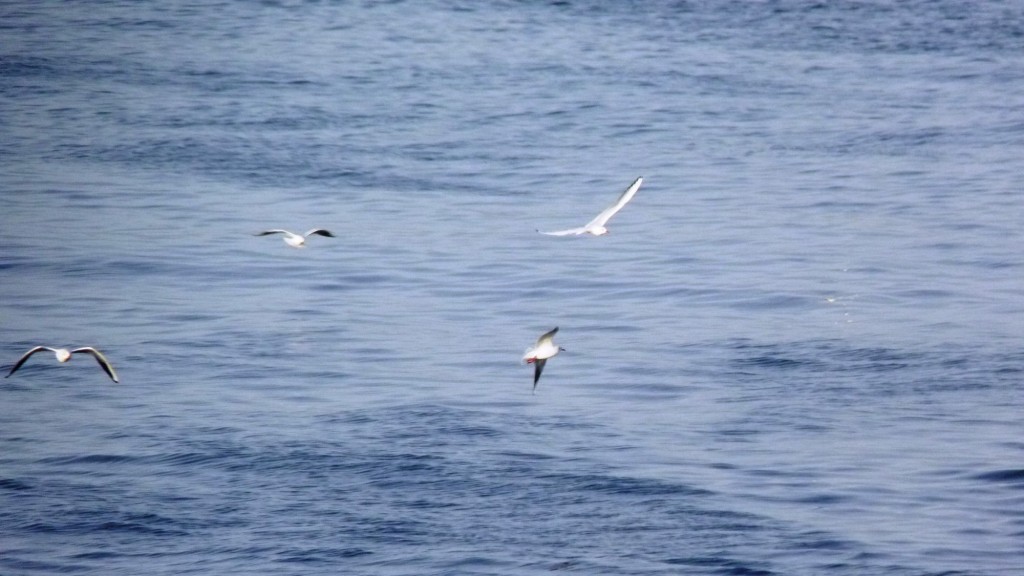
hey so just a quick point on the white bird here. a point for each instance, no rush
(63, 355)
(539, 353)
(596, 226)
(297, 240)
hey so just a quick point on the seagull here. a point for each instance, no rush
(63, 355)
(596, 226)
(296, 240)
(539, 353)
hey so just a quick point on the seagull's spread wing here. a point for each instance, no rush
(547, 336)
(265, 232)
(101, 359)
(320, 232)
(25, 357)
(571, 232)
(539, 367)
(610, 211)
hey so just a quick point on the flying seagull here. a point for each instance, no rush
(296, 240)
(596, 226)
(63, 355)
(539, 353)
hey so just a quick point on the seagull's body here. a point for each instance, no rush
(597, 225)
(539, 353)
(63, 355)
(297, 240)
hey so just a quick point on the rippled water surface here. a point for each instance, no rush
(799, 350)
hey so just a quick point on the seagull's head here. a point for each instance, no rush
(62, 355)
(598, 230)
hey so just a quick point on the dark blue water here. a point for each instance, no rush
(799, 351)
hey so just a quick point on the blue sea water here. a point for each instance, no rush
(798, 352)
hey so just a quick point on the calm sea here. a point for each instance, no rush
(800, 351)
